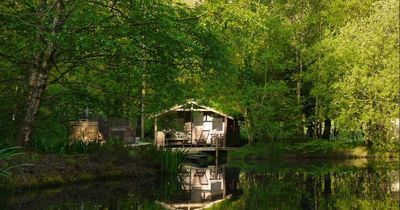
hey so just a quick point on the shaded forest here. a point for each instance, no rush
(289, 70)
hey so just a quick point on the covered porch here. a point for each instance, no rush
(193, 125)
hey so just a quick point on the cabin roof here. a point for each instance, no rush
(182, 107)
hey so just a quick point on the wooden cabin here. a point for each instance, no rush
(194, 125)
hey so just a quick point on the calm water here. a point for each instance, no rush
(262, 185)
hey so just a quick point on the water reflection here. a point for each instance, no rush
(204, 186)
(319, 186)
(195, 188)
(112, 194)
(262, 185)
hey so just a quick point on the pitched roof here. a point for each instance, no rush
(181, 107)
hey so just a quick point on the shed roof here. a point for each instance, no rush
(181, 107)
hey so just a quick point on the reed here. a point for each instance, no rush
(171, 161)
(7, 153)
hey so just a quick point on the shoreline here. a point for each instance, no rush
(51, 170)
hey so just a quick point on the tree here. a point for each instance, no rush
(258, 48)
(361, 63)
(324, 22)
(72, 54)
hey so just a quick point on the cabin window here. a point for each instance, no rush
(208, 118)
(188, 126)
(198, 119)
(217, 124)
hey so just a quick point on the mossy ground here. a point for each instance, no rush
(307, 150)
(58, 169)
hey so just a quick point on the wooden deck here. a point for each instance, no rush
(192, 150)
(192, 205)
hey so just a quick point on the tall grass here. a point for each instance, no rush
(79, 147)
(171, 161)
(7, 153)
(49, 145)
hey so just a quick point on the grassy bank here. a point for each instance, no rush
(58, 169)
(310, 149)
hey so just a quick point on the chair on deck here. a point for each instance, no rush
(201, 174)
(202, 140)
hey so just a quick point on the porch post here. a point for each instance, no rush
(191, 127)
(225, 130)
(223, 183)
(155, 131)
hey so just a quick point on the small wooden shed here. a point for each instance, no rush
(101, 130)
(192, 124)
(118, 129)
(86, 131)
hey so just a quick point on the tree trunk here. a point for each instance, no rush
(310, 129)
(44, 61)
(249, 127)
(327, 129)
(327, 184)
(299, 60)
(298, 83)
(33, 102)
(369, 135)
(142, 99)
(318, 129)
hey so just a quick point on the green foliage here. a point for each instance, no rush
(317, 148)
(111, 146)
(271, 112)
(366, 96)
(6, 153)
(259, 150)
(260, 61)
(317, 187)
(168, 161)
(171, 161)
(159, 45)
(279, 64)
(354, 71)
(51, 135)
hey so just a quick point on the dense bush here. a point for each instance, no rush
(79, 147)
(311, 148)
(170, 161)
(272, 113)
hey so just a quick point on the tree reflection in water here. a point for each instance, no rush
(317, 187)
(250, 186)
(197, 186)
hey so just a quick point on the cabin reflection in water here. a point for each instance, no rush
(204, 187)
(203, 183)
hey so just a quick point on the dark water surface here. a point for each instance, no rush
(317, 184)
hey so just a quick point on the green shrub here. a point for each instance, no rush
(259, 150)
(80, 147)
(114, 146)
(48, 145)
(170, 161)
(50, 135)
(315, 146)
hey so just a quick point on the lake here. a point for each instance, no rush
(315, 184)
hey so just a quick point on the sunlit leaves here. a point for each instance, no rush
(364, 58)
